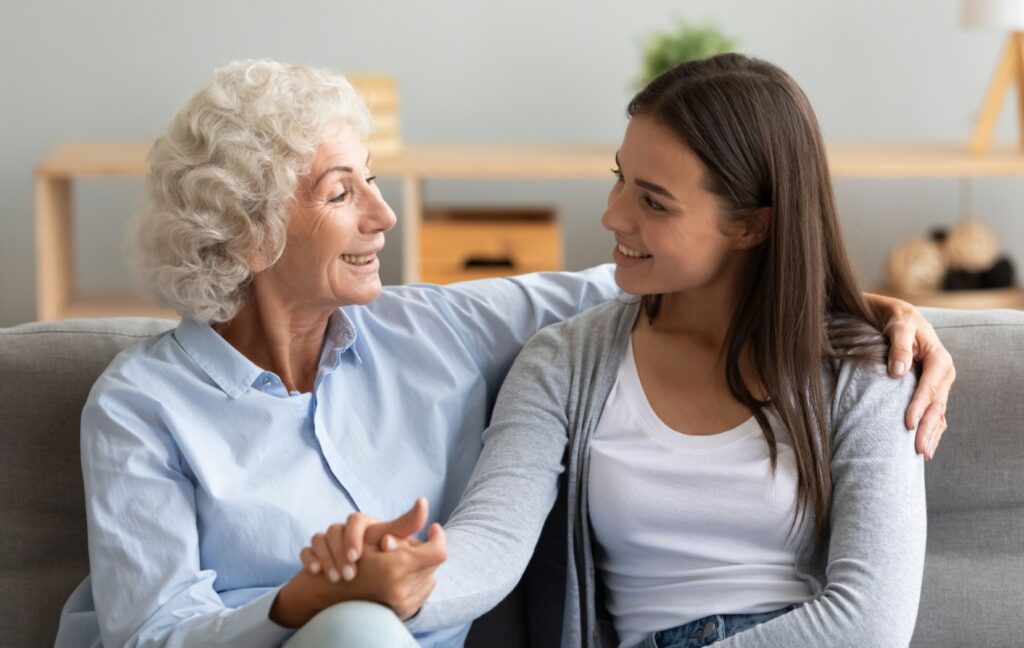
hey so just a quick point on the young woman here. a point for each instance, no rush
(729, 447)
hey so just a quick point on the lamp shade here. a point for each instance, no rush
(993, 14)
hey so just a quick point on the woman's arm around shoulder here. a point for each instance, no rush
(494, 318)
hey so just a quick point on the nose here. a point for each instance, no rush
(379, 216)
(616, 215)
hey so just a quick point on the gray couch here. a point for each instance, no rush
(974, 579)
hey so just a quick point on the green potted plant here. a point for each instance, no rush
(685, 42)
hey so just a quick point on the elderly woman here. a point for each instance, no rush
(295, 391)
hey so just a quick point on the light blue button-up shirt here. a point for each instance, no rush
(204, 477)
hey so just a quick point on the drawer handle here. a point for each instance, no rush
(488, 262)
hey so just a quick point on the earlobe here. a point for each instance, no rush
(757, 226)
(261, 259)
(257, 263)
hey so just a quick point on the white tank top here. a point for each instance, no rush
(688, 526)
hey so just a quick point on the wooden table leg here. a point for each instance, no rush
(54, 247)
(412, 216)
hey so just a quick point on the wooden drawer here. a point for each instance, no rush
(458, 246)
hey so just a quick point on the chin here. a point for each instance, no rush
(365, 296)
(631, 285)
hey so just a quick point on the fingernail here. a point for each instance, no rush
(932, 444)
(389, 544)
(898, 368)
(352, 555)
(314, 567)
(348, 572)
(333, 575)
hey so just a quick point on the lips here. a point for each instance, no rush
(362, 257)
(631, 252)
(358, 259)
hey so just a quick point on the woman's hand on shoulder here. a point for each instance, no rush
(911, 338)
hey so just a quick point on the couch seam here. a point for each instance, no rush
(79, 332)
(978, 325)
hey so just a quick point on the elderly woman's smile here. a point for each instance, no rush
(359, 260)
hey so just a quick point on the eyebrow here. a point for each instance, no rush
(346, 169)
(649, 186)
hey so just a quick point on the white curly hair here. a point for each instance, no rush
(222, 178)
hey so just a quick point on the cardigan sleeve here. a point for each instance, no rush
(492, 532)
(877, 525)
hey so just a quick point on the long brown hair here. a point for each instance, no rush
(800, 305)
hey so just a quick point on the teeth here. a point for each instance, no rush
(358, 260)
(631, 252)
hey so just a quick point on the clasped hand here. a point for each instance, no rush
(380, 561)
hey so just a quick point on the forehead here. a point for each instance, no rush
(655, 153)
(341, 146)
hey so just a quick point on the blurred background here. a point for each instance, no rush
(549, 72)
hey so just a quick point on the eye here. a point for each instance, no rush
(340, 197)
(371, 179)
(618, 174)
(653, 204)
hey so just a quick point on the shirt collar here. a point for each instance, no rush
(232, 371)
(340, 337)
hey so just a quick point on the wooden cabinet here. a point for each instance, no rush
(463, 244)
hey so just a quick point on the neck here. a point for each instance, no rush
(280, 337)
(703, 314)
(696, 323)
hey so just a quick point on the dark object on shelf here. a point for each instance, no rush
(488, 262)
(938, 234)
(1001, 275)
(961, 280)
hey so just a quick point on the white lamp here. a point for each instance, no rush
(1002, 15)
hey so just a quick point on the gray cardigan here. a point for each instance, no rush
(866, 582)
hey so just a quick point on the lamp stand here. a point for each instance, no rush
(1009, 71)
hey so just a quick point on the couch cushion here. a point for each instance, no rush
(46, 371)
(972, 587)
(973, 584)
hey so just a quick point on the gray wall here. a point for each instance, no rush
(488, 72)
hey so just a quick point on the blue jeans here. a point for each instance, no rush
(354, 624)
(708, 630)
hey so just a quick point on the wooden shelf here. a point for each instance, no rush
(416, 163)
(846, 159)
(970, 299)
(93, 158)
(88, 306)
(921, 160)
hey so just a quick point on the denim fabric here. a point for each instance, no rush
(708, 630)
